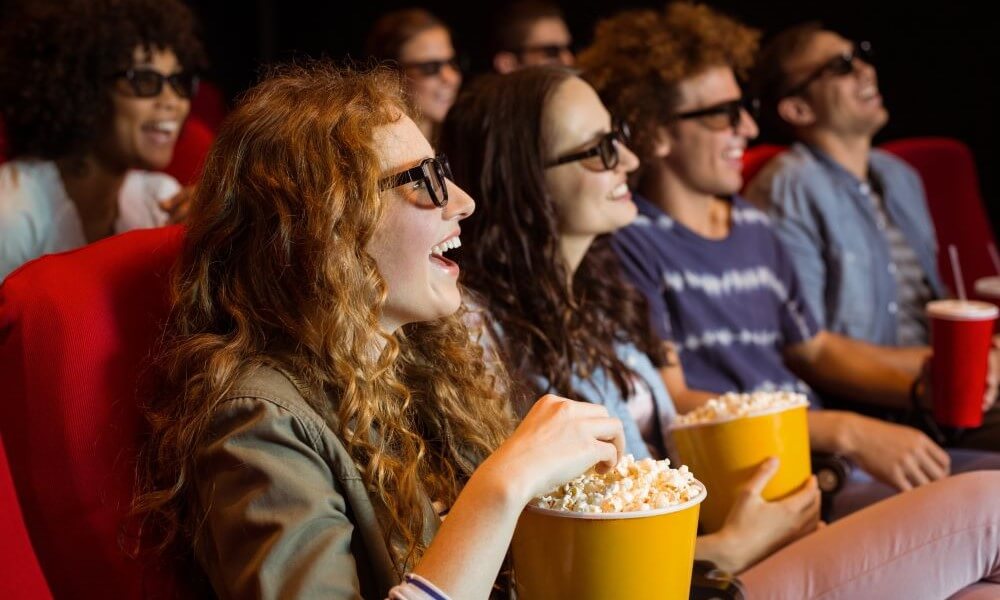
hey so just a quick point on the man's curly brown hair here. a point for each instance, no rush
(58, 59)
(638, 59)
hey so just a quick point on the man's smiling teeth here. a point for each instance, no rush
(451, 244)
(620, 190)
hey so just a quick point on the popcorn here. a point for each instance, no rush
(731, 406)
(632, 485)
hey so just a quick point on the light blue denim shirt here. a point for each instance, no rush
(825, 218)
(598, 388)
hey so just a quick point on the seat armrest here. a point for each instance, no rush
(832, 471)
(708, 582)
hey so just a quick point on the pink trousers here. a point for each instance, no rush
(934, 542)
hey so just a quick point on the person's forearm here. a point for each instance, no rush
(466, 554)
(909, 359)
(714, 548)
(685, 399)
(859, 371)
(830, 431)
(688, 400)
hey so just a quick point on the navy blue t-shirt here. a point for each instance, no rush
(729, 305)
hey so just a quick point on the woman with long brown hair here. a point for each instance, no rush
(322, 404)
(550, 168)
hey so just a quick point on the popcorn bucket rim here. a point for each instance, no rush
(761, 413)
(635, 514)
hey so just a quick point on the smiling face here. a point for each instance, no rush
(848, 104)
(703, 158)
(414, 233)
(433, 93)
(589, 199)
(143, 131)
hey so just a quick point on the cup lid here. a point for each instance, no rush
(988, 286)
(962, 310)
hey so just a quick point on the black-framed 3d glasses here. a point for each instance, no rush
(432, 68)
(606, 149)
(148, 83)
(725, 115)
(838, 66)
(432, 172)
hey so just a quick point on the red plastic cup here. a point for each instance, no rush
(961, 337)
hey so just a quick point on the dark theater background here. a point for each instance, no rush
(937, 61)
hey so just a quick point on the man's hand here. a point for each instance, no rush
(900, 456)
(992, 375)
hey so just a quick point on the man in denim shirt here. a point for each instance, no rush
(853, 218)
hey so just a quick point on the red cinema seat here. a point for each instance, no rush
(948, 171)
(76, 332)
(756, 157)
(208, 105)
(20, 578)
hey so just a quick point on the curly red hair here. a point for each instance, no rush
(275, 271)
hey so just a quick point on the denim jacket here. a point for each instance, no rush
(825, 217)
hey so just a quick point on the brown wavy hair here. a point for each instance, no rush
(494, 138)
(274, 271)
(639, 58)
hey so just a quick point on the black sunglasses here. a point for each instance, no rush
(725, 115)
(431, 68)
(147, 83)
(605, 149)
(838, 66)
(431, 172)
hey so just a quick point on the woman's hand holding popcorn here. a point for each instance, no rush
(755, 528)
(558, 440)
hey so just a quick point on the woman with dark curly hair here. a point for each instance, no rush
(419, 44)
(93, 93)
(550, 166)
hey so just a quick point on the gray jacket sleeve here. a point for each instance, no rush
(275, 520)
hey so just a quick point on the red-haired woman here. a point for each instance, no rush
(322, 403)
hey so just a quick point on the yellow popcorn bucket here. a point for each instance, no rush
(726, 453)
(586, 556)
